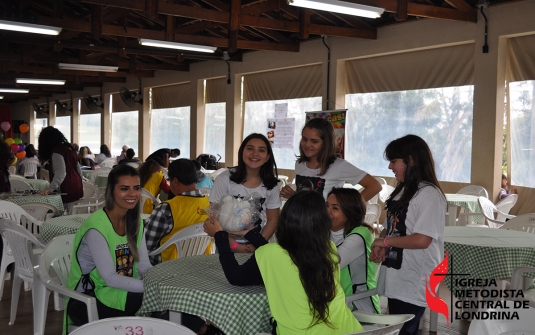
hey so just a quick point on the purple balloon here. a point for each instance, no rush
(22, 147)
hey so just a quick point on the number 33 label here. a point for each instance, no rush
(137, 330)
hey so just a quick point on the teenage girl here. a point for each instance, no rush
(353, 238)
(319, 169)
(300, 271)
(256, 172)
(412, 243)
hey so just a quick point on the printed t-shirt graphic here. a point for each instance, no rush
(310, 183)
(124, 260)
(395, 226)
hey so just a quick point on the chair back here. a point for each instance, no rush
(86, 207)
(45, 174)
(189, 241)
(384, 194)
(381, 324)
(475, 190)
(9, 210)
(524, 222)
(39, 210)
(488, 209)
(523, 324)
(505, 206)
(108, 163)
(16, 176)
(147, 195)
(21, 242)
(140, 325)
(90, 191)
(20, 185)
(381, 181)
(373, 211)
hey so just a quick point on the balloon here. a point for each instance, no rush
(14, 161)
(17, 140)
(24, 128)
(5, 126)
(9, 141)
(21, 154)
(1, 136)
(22, 147)
(14, 147)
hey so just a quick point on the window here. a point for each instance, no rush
(214, 131)
(522, 116)
(255, 121)
(63, 123)
(441, 116)
(38, 125)
(170, 128)
(90, 132)
(124, 130)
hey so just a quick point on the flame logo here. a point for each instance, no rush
(434, 301)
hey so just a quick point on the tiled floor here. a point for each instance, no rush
(24, 322)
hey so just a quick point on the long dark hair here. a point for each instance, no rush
(327, 155)
(353, 207)
(30, 151)
(417, 156)
(268, 172)
(49, 138)
(147, 169)
(303, 231)
(132, 215)
(105, 150)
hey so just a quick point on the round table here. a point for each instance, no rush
(464, 201)
(197, 285)
(37, 184)
(47, 199)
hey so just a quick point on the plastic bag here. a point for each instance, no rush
(237, 214)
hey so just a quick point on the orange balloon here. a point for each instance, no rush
(21, 154)
(24, 128)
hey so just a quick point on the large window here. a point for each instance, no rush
(255, 121)
(214, 131)
(170, 128)
(124, 130)
(522, 111)
(441, 116)
(38, 125)
(63, 123)
(90, 132)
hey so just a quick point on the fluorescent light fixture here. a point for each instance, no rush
(14, 90)
(87, 67)
(174, 45)
(1, 97)
(40, 81)
(29, 28)
(340, 7)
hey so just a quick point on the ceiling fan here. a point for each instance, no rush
(129, 97)
(61, 107)
(94, 103)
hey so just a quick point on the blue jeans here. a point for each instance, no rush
(400, 307)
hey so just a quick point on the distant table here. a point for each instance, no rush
(198, 286)
(37, 184)
(64, 225)
(465, 201)
(47, 199)
(101, 181)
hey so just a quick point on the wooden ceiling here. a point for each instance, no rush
(104, 32)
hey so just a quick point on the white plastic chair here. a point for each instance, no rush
(16, 176)
(524, 222)
(189, 241)
(519, 282)
(381, 181)
(384, 194)
(24, 247)
(108, 163)
(489, 209)
(381, 324)
(476, 190)
(87, 207)
(113, 326)
(522, 326)
(373, 211)
(505, 205)
(20, 185)
(45, 174)
(39, 210)
(147, 195)
(56, 256)
(90, 191)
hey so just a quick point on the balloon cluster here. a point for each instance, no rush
(15, 144)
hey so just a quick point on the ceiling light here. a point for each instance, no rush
(340, 7)
(1, 97)
(40, 81)
(29, 28)
(179, 46)
(86, 67)
(14, 90)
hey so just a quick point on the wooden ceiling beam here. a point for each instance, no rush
(304, 20)
(234, 26)
(96, 21)
(151, 8)
(461, 5)
(219, 5)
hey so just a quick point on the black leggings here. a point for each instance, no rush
(77, 310)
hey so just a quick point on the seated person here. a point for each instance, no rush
(301, 271)
(103, 155)
(178, 213)
(130, 160)
(84, 158)
(153, 181)
(123, 153)
(30, 162)
(111, 253)
(203, 181)
(504, 193)
(162, 154)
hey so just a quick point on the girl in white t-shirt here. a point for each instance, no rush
(319, 169)
(256, 172)
(412, 243)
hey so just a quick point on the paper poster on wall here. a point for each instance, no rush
(338, 119)
(281, 111)
(280, 132)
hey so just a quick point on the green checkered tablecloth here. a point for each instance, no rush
(101, 181)
(48, 199)
(465, 201)
(197, 285)
(38, 184)
(64, 225)
(486, 253)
